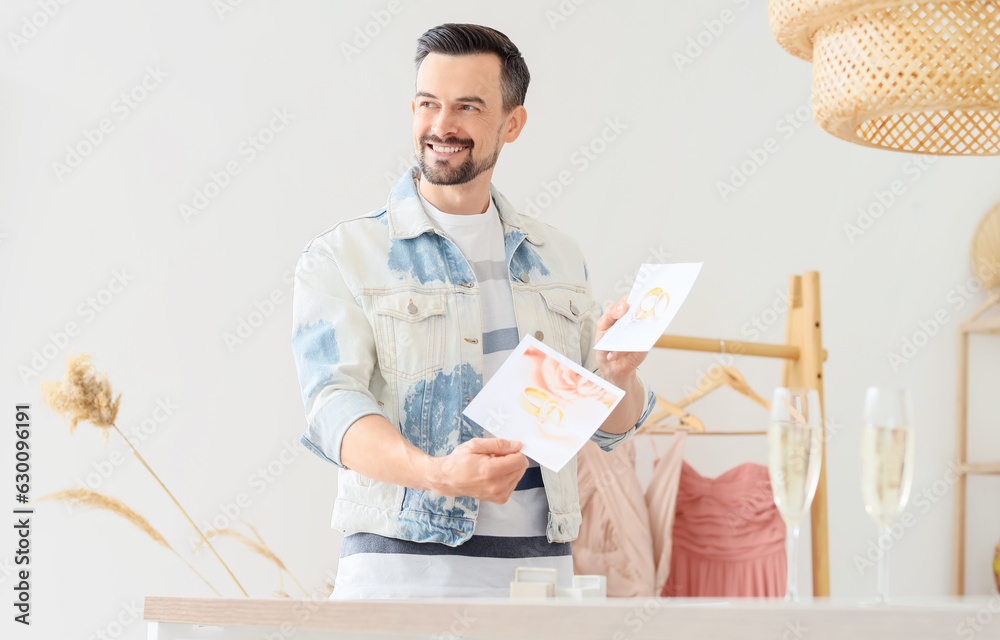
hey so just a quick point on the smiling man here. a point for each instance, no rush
(402, 315)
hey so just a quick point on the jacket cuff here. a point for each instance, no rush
(608, 441)
(325, 433)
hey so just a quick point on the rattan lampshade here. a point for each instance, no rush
(986, 250)
(908, 76)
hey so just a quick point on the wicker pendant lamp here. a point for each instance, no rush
(922, 77)
(986, 257)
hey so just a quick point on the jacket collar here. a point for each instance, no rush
(407, 218)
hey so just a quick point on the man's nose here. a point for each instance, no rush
(444, 124)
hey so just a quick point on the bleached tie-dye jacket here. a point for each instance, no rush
(387, 321)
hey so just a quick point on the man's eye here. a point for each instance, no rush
(425, 104)
(468, 106)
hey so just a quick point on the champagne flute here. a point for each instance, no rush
(887, 453)
(794, 459)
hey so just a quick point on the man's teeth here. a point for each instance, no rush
(446, 149)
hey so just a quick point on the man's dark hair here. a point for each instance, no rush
(465, 39)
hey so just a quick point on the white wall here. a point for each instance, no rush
(651, 195)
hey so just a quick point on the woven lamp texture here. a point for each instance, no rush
(986, 249)
(921, 77)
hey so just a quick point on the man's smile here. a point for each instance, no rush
(445, 150)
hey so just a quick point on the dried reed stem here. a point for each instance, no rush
(257, 547)
(196, 527)
(89, 499)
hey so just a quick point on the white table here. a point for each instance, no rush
(971, 618)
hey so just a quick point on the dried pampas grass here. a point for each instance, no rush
(257, 547)
(89, 499)
(83, 395)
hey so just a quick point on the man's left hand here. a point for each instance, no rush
(616, 365)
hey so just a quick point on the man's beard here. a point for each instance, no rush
(469, 170)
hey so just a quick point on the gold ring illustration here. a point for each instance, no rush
(541, 405)
(652, 304)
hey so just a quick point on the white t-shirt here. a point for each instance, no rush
(506, 536)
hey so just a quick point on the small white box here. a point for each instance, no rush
(532, 590)
(572, 593)
(591, 586)
(535, 574)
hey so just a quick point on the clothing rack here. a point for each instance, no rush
(803, 356)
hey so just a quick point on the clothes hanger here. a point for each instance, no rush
(722, 375)
(667, 409)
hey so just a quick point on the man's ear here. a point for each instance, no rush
(515, 123)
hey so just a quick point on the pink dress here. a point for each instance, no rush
(728, 537)
(661, 499)
(615, 538)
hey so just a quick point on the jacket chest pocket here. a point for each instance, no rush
(409, 333)
(567, 310)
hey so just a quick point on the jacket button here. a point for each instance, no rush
(573, 309)
(539, 335)
(412, 308)
(472, 340)
(525, 278)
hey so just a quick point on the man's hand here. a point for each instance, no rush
(484, 468)
(616, 365)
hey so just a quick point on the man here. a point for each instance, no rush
(402, 315)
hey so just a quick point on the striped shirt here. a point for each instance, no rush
(508, 535)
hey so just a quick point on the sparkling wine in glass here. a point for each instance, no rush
(794, 459)
(887, 453)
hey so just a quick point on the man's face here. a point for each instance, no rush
(459, 125)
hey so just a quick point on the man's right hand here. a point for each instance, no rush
(484, 468)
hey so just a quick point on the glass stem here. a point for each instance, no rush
(792, 590)
(885, 543)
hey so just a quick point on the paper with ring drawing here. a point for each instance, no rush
(545, 400)
(657, 294)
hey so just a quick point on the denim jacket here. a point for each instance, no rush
(387, 321)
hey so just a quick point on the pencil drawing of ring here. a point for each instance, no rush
(652, 304)
(541, 405)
